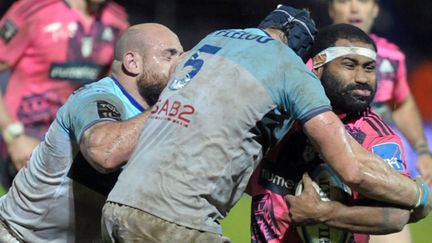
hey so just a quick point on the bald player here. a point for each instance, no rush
(58, 196)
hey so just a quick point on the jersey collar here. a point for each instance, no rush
(128, 96)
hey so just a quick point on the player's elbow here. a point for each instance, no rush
(97, 152)
(352, 176)
(101, 161)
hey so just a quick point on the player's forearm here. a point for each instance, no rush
(358, 168)
(108, 145)
(366, 220)
(381, 182)
(407, 118)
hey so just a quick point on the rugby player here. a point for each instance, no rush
(344, 60)
(393, 94)
(58, 196)
(52, 47)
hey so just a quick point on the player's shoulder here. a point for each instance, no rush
(387, 48)
(102, 87)
(116, 12)
(373, 125)
(369, 129)
(24, 9)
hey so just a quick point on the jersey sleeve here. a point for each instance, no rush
(391, 150)
(306, 96)
(87, 111)
(15, 34)
(401, 90)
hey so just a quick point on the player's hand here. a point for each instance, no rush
(421, 212)
(424, 166)
(306, 208)
(21, 149)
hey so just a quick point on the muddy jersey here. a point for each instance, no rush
(51, 51)
(391, 75)
(58, 196)
(238, 92)
(280, 172)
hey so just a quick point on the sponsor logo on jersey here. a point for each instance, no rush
(8, 31)
(107, 110)
(387, 70)
(108, 34)
(173, 111)
(391, 153)
(61, 31)
(386, 66)
(86, 46)
(276, 183)
(76, 72)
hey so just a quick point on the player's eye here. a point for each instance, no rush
(348, 65)
(169, 53)
(370, 67)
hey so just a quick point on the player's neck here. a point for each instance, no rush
(276, 34)
(130, 85)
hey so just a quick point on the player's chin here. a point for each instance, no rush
(358, 105)
(362, 100)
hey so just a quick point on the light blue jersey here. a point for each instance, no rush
(237, 93)
(58, 196)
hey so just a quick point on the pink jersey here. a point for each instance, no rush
(391, 72)
(51, 50)
(280, 172)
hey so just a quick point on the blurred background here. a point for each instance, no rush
(406, 23)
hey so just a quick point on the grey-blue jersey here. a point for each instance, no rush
(238, 92)
(58, 197)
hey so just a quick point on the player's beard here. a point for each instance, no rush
(150, 86)
(342, 98)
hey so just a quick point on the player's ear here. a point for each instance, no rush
(131, 63)
(318, 72)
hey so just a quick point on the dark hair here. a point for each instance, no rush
(328, 36)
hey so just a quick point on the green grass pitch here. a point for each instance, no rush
(236, 226)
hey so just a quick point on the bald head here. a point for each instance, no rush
(139, 37)
(144, 58)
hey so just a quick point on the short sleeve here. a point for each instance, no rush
(390, 149)
(306, 96)
(84, 112)
(15, 35)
